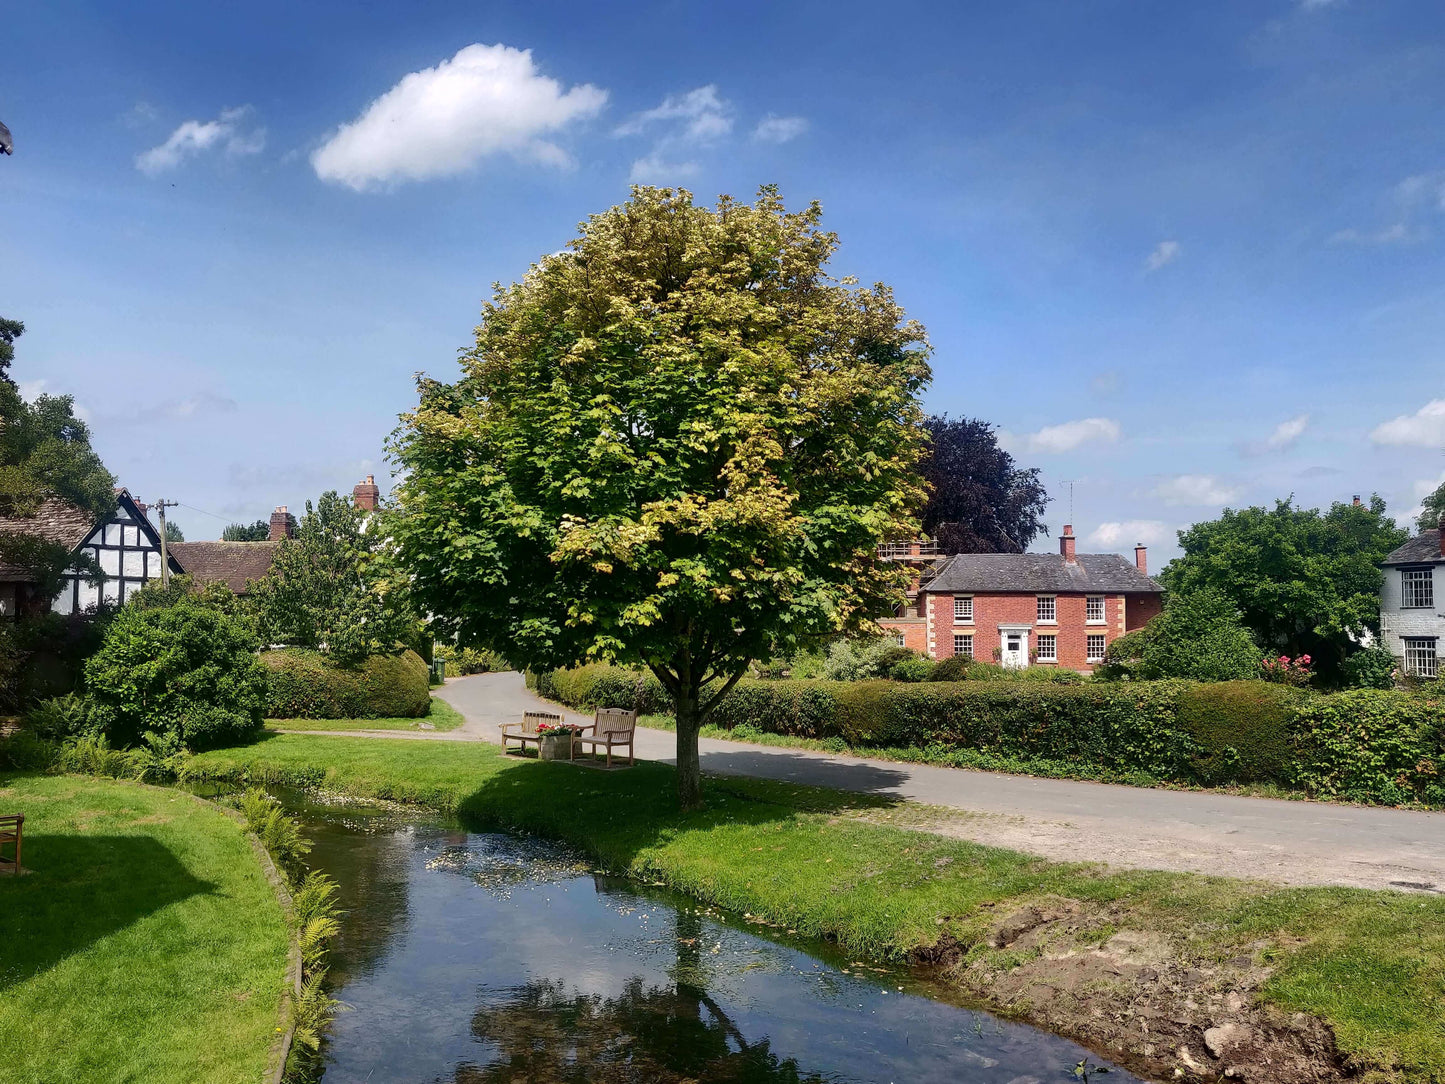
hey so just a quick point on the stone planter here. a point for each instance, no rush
(554, 747)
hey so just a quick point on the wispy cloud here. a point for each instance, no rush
(1122, 532)
(1320, 5)
(1195, 489)
(1409, 202)
(775, 129)
(1165, 252)
(1066, 436)
(438, 122)
(654, 169)
(703, 114)
(1423, 429)
(1284, 437)
(230, 133)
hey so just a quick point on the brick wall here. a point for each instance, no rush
(1070, 625)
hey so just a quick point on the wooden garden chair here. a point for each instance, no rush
(10, 829)
(526, 731)
(612, 728)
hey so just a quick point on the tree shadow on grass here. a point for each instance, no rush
(83, 888)
(617, 814)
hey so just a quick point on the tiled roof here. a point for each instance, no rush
(1035, 572)
(235, 564)
(57, 521)
(1421, 550)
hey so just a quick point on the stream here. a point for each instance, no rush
(471, 957)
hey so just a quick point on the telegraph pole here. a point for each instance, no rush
(160, 507)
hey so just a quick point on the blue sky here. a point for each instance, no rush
(1186, 255)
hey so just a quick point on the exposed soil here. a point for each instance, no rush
(1138, 998)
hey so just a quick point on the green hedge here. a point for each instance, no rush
(598, 685)
(1242, 729)
(1372, 745)
(305, 685)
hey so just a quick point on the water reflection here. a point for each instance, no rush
(484, 958)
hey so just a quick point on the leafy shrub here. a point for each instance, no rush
(598, 685)
(804, 709)
(914, 668)
(468, 660)
(306, 685)
(44, 656)
(1372, 745)
(1372, 668)
(859, 660)
(1199, 636)
(953, 668)
(1046, 675)
(25, 752)
(1242, 729)
(1283, 670)
(185, 668)
(61, 717)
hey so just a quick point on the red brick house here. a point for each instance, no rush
(1025, 609)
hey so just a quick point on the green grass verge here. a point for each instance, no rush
(146, 945)
(1369, 963)
(442, 716)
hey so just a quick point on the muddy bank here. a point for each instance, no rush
(1141, 998)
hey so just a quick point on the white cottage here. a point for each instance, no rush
(1412, 602)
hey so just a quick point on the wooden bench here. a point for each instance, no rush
(10, 828)
(526, 731)
(612, 728)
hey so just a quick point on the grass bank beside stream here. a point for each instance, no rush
(1161, 971)
(146, 945)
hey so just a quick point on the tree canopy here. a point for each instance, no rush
(1199, 635)
(44, 452)
(677, 443)
(248, 532)
(1304, 582)
(1432, 508)
(330, 587)
(980, 500)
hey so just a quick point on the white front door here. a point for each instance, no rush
(1015, 649)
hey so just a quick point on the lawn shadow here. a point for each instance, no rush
(866, 780)
(83, 888)
(617, 814)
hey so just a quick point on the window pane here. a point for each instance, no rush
(1096, 647)
(963, 645)
(1420, 658)
(1094, 608)
(1046, 607)
(1048, 648)
(963, 609)
(1418, 588)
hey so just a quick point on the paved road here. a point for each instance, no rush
(1287, 842)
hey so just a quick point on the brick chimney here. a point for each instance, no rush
(365, 494)
(1066, 543)
(1441, 525)
(280, 525)
(1141, 558)
(1357, 502)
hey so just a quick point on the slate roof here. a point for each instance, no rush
(1424, 549)
(1032, 573)
(235, 564)
(57, 521)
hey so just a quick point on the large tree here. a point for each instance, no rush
(981, 501)
(1305, 582)
(1432, 509)
(678, 444)
(248, 532)
(44, 452)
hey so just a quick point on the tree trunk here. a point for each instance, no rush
(689, 767)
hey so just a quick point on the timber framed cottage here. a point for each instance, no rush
(1025, 609)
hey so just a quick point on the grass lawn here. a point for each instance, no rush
(442, 716)
(146, 945)
(1370, 964)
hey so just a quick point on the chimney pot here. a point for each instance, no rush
(1067, 543)
(365, 494)
(1141, 558)
(1357, 502)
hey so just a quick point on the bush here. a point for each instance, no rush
(1372, 745)
(185, 670)
(914, 668)
(1242, 729)
(468, 660)
(61, 717)
(1198, 636)
(953, 668)
(859, 660)
(598, 685)
(305, 685)
(1047, 675)
(1372, 668)
(44, 656)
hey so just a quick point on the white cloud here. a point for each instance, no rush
(654, 169)
(30, 389)
(228, 132)
(1320, 5)
(1068, 435)
(1165, 252)
(1397, 234)
(1412, 198)
(1195, 489)
(774, 129)
(438, 122)
(1147, 531)
(703, 113)
(1423, 429)
(1285, 436)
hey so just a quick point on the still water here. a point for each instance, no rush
(474, 957)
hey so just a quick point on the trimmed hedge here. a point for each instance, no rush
(1372, 745)
(304, 684)
(598, 685)
(1242, 729)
